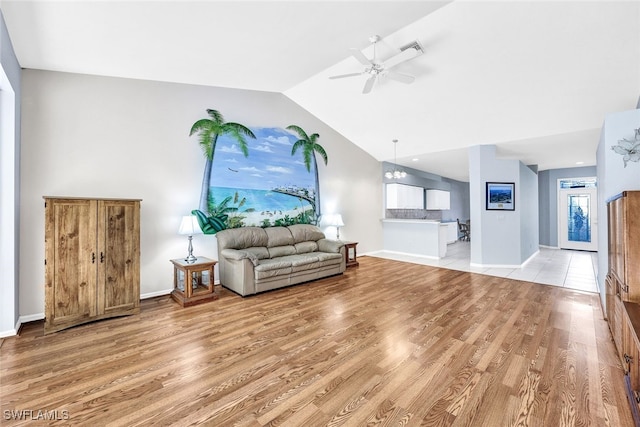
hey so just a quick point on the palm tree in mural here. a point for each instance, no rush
(309, 148)
(208, 131)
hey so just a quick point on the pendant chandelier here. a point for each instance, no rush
(395, 173)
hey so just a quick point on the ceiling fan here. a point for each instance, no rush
(377, 69)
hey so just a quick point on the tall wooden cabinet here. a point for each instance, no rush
(92, 260)
(623, 288)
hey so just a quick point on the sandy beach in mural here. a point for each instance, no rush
(257, 218)
(265, 205)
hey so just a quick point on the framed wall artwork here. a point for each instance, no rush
(501, 196)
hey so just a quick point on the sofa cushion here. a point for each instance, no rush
(279, 251)
(278, 236)
(241, 238)
(259, 252)
(308, 261)
(306, 247)
(305, 232)
(272, 267)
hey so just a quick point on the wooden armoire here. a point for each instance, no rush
(92, 260)
(623, 288)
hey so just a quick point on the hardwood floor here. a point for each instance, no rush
(387, 343)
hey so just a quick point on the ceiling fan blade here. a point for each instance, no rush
(341, 76)
(360, 57)
(403, 56)
(368, 85)
(403, 78)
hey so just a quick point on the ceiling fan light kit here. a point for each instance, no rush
(375, 69)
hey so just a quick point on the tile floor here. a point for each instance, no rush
(557, 267)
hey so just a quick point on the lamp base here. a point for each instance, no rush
(190, 259)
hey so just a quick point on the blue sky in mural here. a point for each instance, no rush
(268, 166)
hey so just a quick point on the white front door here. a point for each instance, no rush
(578, 219)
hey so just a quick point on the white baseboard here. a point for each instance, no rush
(549, 247)
(156, 294)
(31, 318)
(530, 258)
(21, 320)
(10, 332)
(403, 254)
(473, 264)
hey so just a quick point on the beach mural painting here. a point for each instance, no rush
(257, 177)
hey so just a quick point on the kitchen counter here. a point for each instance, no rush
(418, 237)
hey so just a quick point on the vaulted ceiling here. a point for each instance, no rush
(534, 78)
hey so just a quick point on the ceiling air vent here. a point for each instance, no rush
(413, 45)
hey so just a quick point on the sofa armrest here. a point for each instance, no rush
(237, 255)
(328, 245)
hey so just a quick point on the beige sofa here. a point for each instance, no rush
(254, 259)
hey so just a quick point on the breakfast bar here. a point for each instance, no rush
(418, 237)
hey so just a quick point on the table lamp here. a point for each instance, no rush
(335, 220)
(189, 226)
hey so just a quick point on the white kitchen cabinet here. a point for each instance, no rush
(438, 200)
(401, 196)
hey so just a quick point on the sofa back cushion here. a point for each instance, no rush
(279, 236)
(305, 233)
(277, 251)
(306, 247)
(242, 238)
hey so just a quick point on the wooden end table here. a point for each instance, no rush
(193, 282)
(350, 254)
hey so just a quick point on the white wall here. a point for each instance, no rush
(107, 137)
(10, 83)
(501, 238)
(613, 178)
(529, 212)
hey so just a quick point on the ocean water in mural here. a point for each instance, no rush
(271, 183)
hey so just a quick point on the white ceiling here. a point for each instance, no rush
(534, 78)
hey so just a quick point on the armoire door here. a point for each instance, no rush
(118, 248)
(70, 262)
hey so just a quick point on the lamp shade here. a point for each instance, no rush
(189, 226)
(334, 220)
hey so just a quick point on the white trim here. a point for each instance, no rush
(8, 200)
(473, 264)
(31, 318)
(530, 258)
(156, 294)
(371, 253)
(21, 321)
(406, 254)
(10, 332)
(549, 247)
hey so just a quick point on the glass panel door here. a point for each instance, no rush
(578, 219)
